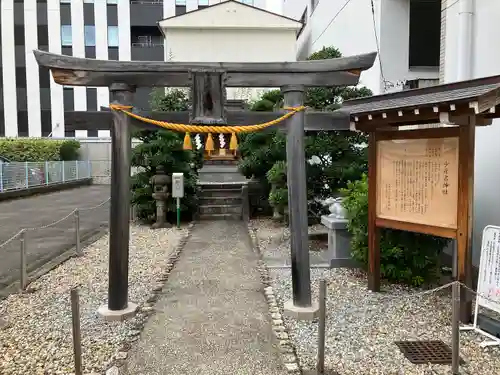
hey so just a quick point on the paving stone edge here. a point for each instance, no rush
(287, 349)
(117, 365)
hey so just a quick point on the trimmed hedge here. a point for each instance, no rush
(26, 149)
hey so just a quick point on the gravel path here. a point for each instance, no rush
(212, 316)
(35, 328)
(362, 326)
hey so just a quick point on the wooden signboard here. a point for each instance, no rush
(417, 181)
(422, 181)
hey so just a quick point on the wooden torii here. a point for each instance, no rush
(209, 80)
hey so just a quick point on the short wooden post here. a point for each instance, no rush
(78, 245)
(23, 277)
(297, 198)
(77, 339)
(455, 329)
(373, 231)
(119, 230)
(320, 366)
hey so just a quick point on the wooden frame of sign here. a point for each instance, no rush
(449, 113)
(421, 181)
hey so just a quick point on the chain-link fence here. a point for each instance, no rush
(24, 175)
(40, 247)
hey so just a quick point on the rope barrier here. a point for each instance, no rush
(223, 129)
(52, 224)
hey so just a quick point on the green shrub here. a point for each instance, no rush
(277, 174)
(26, 149)
(338, 155)
(69, 150)
(405, 257)
(278, 197)
(164, 148)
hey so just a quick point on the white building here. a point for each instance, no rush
(31, 104)
(231, 32)
(420, 42)
(406, 33)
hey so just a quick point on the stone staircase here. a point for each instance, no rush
(224, 193)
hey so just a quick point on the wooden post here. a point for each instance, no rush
(464, 214)
(373, 231)
(120, 199)
(77, 339)
(297, 198)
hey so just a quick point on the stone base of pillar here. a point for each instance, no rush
(301, 313)
(117, 315)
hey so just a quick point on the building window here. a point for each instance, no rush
(113, 39)
(89, 35)
(180, 2)
(425, 33)
(180, 9)
(66, 36)
(112, 1)
(65, 1)
(202, 3)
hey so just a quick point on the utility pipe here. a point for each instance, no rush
(465, 42)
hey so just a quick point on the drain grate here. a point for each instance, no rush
(422, 352)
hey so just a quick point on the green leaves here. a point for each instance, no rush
(338, 157)
(164, 148)
(169, 100)
(26, 149)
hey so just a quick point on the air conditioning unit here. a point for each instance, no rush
(419, 83)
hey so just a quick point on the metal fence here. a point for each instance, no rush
(24, 175)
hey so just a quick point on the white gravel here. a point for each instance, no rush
(362, 326)
(35, 336)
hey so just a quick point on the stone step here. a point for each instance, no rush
(220, 193)
(225, 199)
(231, 217)
(220, 209)
(221, 185)
(216, 177)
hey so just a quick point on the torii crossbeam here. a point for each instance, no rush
(209, 80)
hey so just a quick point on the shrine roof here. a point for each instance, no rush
(478, 97)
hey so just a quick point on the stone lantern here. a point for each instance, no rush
(160, 182)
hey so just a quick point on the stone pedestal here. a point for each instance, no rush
(339, 242)
(117, 315)
(301, 313)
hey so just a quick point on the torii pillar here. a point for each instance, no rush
(301, 306)
(118, 306)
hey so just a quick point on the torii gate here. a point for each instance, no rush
(208, 82)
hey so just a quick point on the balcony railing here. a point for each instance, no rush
(147, 2)
(147, 44)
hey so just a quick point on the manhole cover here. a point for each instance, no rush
(422, 352)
